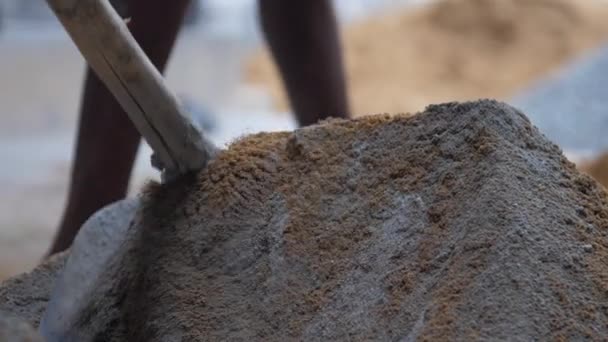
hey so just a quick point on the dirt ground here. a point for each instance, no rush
(456, 50)
(461, 223)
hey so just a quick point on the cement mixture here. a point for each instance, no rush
(455, 50)
(27, 295)
(13, 329)
(460, 223)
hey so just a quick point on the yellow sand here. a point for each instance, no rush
(455, 50)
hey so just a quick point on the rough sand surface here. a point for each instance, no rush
(13, 329)
(26, 296)
(456, 50)
(461, 223)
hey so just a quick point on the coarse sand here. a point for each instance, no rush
(460, 223)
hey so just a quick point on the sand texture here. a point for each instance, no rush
(461, 223)
(25, 297)
(13, 329)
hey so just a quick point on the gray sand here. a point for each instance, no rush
(461, 223)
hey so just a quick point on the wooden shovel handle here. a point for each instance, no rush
(109, 48)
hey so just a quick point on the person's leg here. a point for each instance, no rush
(304, 42)
(107, 141)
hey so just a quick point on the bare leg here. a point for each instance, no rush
(304, 41)
(107, 141)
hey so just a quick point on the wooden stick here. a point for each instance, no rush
(109, 48)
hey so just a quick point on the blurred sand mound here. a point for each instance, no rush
(597, 168)
(456, 50)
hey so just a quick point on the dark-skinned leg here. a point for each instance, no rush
(304, 42)
(107, 141)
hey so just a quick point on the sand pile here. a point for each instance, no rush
(456, 50)
(26, 296)
(13, 329)
(24, 299)
(461, 223)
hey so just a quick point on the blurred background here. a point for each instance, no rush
(547, 57)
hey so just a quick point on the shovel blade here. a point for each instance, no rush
(98, 243)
